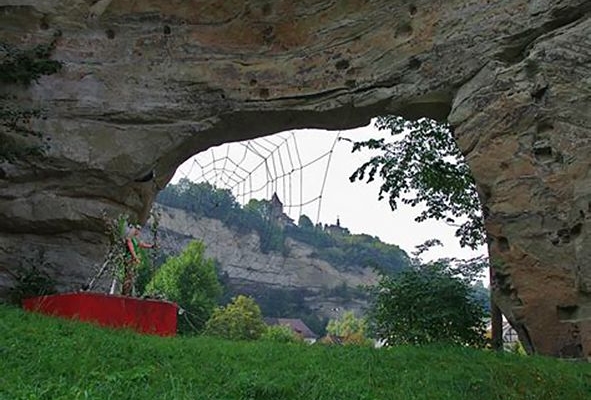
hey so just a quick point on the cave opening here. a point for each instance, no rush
(309, 170)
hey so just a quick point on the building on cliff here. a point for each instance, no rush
(336, 229)
(277, 214)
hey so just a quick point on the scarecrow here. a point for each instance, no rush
(132, 257)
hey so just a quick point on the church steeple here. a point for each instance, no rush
(276, 204)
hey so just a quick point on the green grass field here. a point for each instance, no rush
(46, 358)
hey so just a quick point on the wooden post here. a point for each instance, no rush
(496, 316)
(496, 319)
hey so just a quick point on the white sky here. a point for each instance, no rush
(356, 204)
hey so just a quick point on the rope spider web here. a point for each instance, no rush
(259, 168)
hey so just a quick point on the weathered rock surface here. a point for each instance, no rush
(239, 256)
(148, 83)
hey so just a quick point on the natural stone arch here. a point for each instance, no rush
(146, 84)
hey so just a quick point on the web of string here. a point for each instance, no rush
(281, 162)
(277, 159)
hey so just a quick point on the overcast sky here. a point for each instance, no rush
(285, 162)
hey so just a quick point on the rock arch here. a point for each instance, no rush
(148, 83)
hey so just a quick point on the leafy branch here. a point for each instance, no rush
(423, 166)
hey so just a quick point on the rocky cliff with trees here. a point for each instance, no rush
(292, 270)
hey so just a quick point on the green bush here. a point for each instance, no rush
(239, 320)
(280, 334)
(350, 329)
(190, 280)
(427, 304)
(31, 282)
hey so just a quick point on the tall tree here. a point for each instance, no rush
(423, 166)
(190, 280)
(239, 320)
(351, 329)
(304, 222)
(432, 302)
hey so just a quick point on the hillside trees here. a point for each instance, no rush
(201, 199)
(304, 222)
(190, 280)
(343, 250)
(260, 217)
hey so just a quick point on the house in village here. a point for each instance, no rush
(510, 337)
(297, 326)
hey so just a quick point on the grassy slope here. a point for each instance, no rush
(45, 358)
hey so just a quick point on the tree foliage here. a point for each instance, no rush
(432, 302)
(200, 199)
(304, 222)
(423, 166)
(286, 303)
(205, 200)
(261, 216)
(23, 66)
(239, 320)
(350, 250)
(342, 250)
(190, 280)
(482, 295)
(280, 334)
(349, 328)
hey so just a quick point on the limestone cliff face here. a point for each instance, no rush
(148, 83)
(239, 256)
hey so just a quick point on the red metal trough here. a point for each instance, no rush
(142, 315)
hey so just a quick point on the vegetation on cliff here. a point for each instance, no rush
(332, 243)
(265, 217)
(21, 67)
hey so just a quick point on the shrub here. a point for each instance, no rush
(31, 282)
(239, 320)
(350, 329)
(190, 280)
(427, 304)
(280, 334)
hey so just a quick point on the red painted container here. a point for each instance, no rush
(142, 315)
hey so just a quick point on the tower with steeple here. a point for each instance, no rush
(277, 214)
